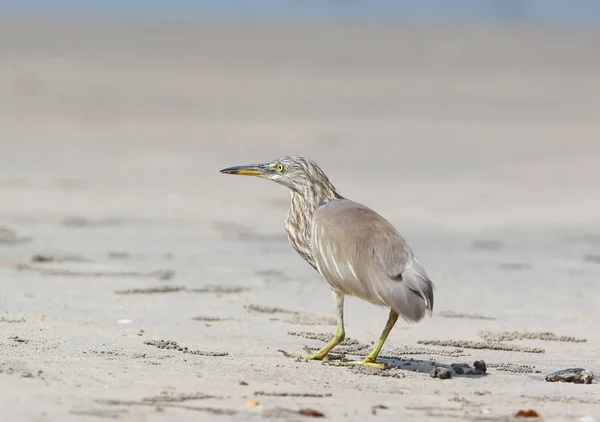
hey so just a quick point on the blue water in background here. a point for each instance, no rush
(544, 12)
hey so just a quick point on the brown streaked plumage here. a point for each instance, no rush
(357, 251)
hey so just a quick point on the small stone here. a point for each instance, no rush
(574, 375)
(527, 414)
(376, 407)
(458, 370)
(42, 258)
(480, 366)
(311, 412)
(441, 373)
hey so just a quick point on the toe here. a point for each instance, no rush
(374, 365)
(315, 356)
(288, 355)
(363, 363)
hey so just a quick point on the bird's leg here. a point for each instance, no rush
(372, 357)
(340, 334)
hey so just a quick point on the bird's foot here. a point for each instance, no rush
(314, 356)
(365, 362)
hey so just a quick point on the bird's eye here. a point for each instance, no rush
(280, 168)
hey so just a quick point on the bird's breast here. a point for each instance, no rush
(298, 232)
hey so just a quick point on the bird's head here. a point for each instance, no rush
(298, 173)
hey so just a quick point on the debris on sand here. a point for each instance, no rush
(58, 258)
(219, 289)
(171, 289)
(441, 373)
(527, 414)
(480, 367)
(385, 373)
(323, 337)
(377, 407)
(514, 368)
(67, 272)
(269, 310)
(452, 314)
(458, 368)
(12, 320)
(516, 335)
(173, 345)
(407, 350)
(283, 394)
(466, 344)
(150, 290)
(210, 319)
(560, 399)
(179, 398)
(44, 258)
(311, 412)
(574, 375)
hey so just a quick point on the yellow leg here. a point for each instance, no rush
(340, 334)
(372, 357)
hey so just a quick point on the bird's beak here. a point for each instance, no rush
(250, 170)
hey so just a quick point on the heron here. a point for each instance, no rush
(357, 251)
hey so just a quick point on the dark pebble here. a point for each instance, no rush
(480, 366)
(458, 369)
(574, 375)
(311, 412)
(441, 373)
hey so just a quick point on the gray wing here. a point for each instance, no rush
(360, 253)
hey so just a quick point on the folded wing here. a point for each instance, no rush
(361, 254)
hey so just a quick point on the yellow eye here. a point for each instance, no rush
(280, 168)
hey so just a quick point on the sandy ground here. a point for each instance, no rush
(482, 146)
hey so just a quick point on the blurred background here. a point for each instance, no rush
(428, 11)
(469, 114)
(472, 125)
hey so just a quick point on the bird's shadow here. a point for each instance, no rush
(460, 369)
(353, 351)
(435, 369)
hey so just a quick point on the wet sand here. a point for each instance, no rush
(140, 284)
